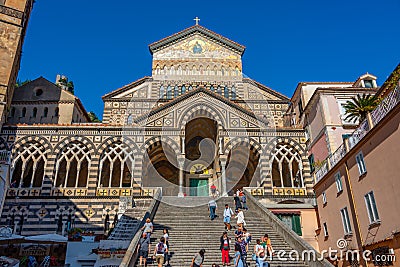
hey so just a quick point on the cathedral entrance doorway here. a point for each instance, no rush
(198, 186)
(160, 168)
(200, 154)
(242, 167)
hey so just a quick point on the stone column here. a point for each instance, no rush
(181, 163)
(223, 159)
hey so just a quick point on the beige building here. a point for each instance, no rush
(43, 102)
(14, 17)
(356, 194)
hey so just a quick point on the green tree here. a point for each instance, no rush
(93, 117)
(67, 84)
(359, 106)
(20, 83)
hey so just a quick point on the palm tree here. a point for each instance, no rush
(358, 107)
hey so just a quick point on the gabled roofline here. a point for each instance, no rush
(78, 101)
(189, 94)
(300, 84)
(266, 88)
(153, 47)
(127, 87)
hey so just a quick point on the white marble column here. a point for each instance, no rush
(181, 163)
(223, 175)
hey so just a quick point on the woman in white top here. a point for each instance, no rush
(240, 218)
(258, 247)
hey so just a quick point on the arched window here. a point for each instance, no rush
(208, 70)
(34, 112)
(172, 70)
(158, 70)
(237, 71)
(190, 88)
(212, 88)
(286, 166)
(72, 166)
(169, 92)
(56, 112)
(226, 92)
(179, 70)
(28, 166)
(176, 91)
(116, 165)
(164, 72)
(162, 92)
(183, 89)
(201, 70)
(23, 114)
(45, 112)
(222, 71)
(233, 93)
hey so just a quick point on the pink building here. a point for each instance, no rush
(356, 189)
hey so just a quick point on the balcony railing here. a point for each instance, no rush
(387, 104)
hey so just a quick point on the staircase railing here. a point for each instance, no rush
(131, 254)
(293, 240)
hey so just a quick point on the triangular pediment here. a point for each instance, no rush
(198, 31)
(229, 114)
(138, 88)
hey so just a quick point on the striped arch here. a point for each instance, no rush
(114, 139)
(254, 161)
(162, 139)
(29, 139)
(29, 163)
(201, 109)
(82, 139)
(241, 140)
(287, 140)
(275, 146)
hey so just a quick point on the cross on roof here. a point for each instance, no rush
(197, 20)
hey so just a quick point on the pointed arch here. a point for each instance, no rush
(116, 166)
(286, 166)
(72, 165)
(27, 168)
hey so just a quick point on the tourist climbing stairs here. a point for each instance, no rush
(191, 229)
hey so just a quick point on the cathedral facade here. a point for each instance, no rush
(196, 121)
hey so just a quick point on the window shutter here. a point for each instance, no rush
(296, 226)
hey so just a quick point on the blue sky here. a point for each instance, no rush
(103, 45)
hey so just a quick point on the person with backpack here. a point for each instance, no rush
(224, 247)
(144, 248)
(227, 217)
(198, 259)
(159, 252)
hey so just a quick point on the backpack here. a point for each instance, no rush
(160, 248)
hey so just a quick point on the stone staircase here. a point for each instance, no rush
(129, 221)
(191, 229)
